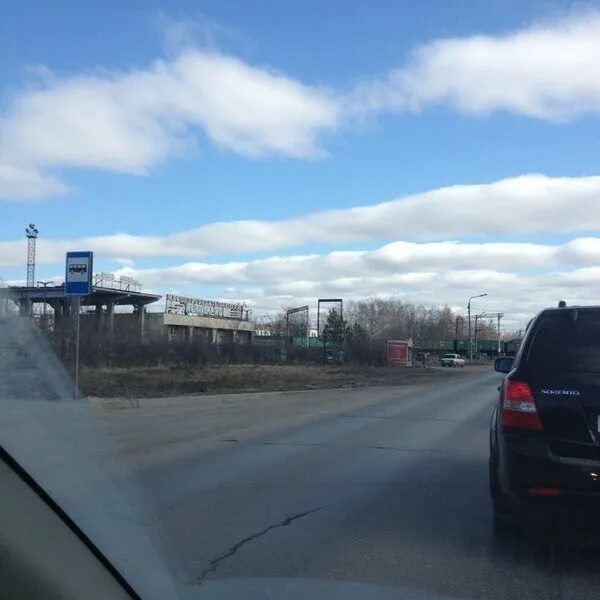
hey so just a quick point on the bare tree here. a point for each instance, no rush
(392, 318)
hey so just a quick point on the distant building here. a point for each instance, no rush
(183, 318)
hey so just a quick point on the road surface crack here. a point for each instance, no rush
(309, 445)
(215, 562)
(396, 449)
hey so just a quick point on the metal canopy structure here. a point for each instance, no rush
(99, 295)
(64, 306)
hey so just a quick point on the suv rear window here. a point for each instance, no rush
(567, 341)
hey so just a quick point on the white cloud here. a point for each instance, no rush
(518, 295)
(130, 122)
(531, 204)
(546, 71)
(21, 183)
(125, 262)
(397, 263)
(520, 278)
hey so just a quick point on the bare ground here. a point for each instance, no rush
(140, 382)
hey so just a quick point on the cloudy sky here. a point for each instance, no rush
(431, 150)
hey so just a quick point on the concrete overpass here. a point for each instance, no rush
(104, 299)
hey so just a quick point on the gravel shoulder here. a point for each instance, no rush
(171, 381)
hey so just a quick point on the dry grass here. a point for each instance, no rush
(143, 382)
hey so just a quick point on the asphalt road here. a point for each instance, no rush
(265, 495)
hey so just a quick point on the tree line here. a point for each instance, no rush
(376, 319)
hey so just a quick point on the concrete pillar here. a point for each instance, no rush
(56, 306)
(25, 307)
(67, 308)
(110, 316)
(141, 315)
(215, 336)
(97, 318)
(60, 310)
(61, 322)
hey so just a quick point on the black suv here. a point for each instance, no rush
(545, 429)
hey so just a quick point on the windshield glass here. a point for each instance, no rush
(257, 262)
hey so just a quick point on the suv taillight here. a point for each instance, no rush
(518, 407)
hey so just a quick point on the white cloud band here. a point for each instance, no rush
(403, 262)
(546, 71)
(532, 204)
(132, 121)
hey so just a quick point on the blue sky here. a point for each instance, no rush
(281, 110)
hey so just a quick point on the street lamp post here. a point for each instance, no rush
(45, 284)
(469, 318)
(499, 316)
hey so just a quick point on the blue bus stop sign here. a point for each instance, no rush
(78, 273)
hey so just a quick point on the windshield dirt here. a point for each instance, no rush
(258, 262)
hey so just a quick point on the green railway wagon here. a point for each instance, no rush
(301, 342)
(435, 345)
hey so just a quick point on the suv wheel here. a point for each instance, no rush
(499, 504)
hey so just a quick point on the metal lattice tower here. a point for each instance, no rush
(497, 316)
(31, 232)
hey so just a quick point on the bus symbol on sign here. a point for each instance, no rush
(77, 268)
(78, 273)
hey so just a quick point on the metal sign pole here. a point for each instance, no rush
(79, 269)
(77, 348)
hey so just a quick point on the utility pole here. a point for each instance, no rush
(499, 315)
(469, 318)
(477, 317)
(31, 233)
(459, 328)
